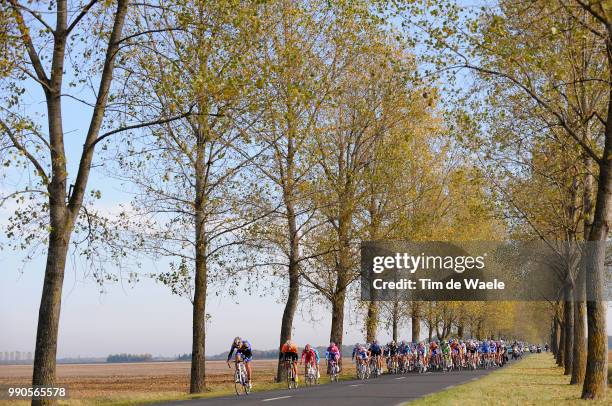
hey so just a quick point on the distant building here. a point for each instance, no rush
(17, 355)
(29, 358)
(12, 358)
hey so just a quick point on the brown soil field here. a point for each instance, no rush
(93, 383)
(112, 378)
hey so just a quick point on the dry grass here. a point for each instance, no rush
(535, 380)
(137, 383)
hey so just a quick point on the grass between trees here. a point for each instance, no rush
(536, 380)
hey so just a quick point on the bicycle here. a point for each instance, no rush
(363, 371)
(241, 382)
(332, 367)
(375, 371)
(291, 382)
(311, 375)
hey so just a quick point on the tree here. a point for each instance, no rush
(294, 82)
(28, 63)
(191, 185)
(509, 47)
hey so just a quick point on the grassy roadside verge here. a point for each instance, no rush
(536, 380)
(152, 397)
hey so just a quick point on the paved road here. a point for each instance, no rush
(384, 390)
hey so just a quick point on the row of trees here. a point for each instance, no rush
(271, 138)
(539, 119)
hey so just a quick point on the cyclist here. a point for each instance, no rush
(244, 353)
(455, 352)
(360, 355)
(471, 353)
(392, 354)
(404, 353)
(422, 354)
(289, 350)
(332, 355)
(484, 349)
(376, 353)
(493, 351)
(311, 356)
(435, 353)
(445, 348)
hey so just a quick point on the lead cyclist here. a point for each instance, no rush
(244, 353)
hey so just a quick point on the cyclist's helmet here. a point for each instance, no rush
(307, 347)
(237, 340)
(392, 342)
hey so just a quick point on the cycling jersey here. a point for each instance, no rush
(244, 350)
(375, 349)
(332, 353)
(290, 352)
(310, 356)
(445, 349)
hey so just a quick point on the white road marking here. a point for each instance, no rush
(280, 397)
(357, 384)
(401, 377)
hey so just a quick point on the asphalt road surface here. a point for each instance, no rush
(384, 390)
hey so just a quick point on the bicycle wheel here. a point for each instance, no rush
(237, 382)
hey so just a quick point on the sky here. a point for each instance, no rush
(144, 318)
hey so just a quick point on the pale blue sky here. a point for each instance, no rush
(145, 318)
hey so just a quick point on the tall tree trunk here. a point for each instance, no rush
(416, 322)
(561, 353)
(416, 328)
(293, 242)
(337, 322)
(579, 364)
(557, 338)
(371, 320)
(568, 316)
(460, 330)
(287, 321)
(198, 354)
(49, 311)
(396, 317)
(595, 380)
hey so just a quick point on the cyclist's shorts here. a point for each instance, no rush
(435, 351)
(376, 351)
(245, 356)
(333, 356)
(362, 355)
(291, 356)
(471, 350)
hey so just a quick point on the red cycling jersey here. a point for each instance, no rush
(309, 355)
